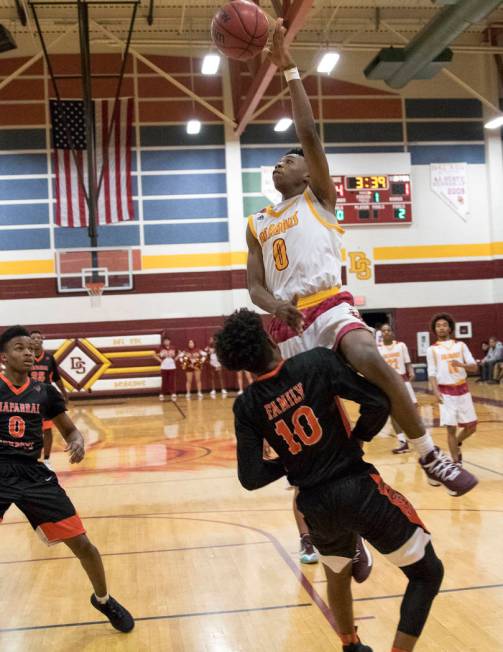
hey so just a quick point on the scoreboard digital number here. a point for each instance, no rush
(373, 199)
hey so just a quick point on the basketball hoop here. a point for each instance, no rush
(94, 290)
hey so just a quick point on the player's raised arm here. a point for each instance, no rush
(305, 126)
(260, 295)
(72, 436)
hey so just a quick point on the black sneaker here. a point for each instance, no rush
(119, 616)
(357, 647)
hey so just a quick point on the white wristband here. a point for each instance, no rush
(291, 73)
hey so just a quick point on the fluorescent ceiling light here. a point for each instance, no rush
(283, 124)
(210, 64)
(328, 62)
(494, 123)
(193, 127)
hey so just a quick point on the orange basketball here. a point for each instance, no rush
(239, 30)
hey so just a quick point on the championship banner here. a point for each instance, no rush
(450, 182)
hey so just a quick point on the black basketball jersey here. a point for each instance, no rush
(45, 369)
(296, 409)
(21, 412)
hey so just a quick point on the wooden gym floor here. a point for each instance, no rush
(205, 566)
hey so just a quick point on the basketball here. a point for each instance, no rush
(239, 30)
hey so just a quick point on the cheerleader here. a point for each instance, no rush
(167, 356)
(215, 368)
(192, 361)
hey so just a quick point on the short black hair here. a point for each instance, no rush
(298, 151)
(243, 343)
(443, 315)
(10, 333)
(35, 330)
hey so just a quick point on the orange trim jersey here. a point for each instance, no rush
(22, 410)
(396, 355)
(301, 246)
(45, 369)
(440, 357)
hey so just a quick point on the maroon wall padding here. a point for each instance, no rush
(434, 272)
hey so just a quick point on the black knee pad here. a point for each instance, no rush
(425, 578)
(428, 570)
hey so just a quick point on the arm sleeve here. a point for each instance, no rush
(406, 355)
(55, 403)
(467, 355)
(55, 370)
(431, 361)
(253, 471)
(374, 404)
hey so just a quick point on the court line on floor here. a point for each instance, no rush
(479, 466)
(247, 510)
(139, 552)
(463, 588)
(194, 614)
(126, 484)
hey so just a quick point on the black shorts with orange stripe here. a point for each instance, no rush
(37, 493)
(336, 512)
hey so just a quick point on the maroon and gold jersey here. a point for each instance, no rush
(45, 369)
(22, 410)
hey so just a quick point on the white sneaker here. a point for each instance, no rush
(213, 393)
(187, 396)
(199, 395)
(173, 397)
(49, 465)
(161, 397)
(224, 392)
(240, 392)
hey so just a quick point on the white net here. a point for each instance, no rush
(95, 290)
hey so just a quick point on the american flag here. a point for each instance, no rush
(115, 199)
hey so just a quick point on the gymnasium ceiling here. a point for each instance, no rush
(184, 25)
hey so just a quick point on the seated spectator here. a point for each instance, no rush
(487, 364)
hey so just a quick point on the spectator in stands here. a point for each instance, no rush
(215, 368)
(167, 356)
(493, 356)
(192, 361)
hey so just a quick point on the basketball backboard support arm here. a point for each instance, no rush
(92, 192)
(87, 96)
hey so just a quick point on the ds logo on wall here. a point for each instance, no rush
(80, 363)
(360, 265)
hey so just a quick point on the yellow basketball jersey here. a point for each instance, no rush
(301, 246)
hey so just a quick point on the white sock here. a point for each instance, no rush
(102, 600)
(423, 445)
(401, 437)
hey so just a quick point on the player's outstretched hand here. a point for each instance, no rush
(278, 53)
(288, 312)
(76, 449)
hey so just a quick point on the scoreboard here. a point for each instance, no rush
(373, 199)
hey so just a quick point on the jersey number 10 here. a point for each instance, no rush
(302, 416)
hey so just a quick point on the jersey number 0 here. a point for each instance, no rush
(17, 427)
(302, 417)
(279, 254)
